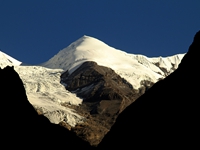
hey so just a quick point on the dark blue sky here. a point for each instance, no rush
(33, 31)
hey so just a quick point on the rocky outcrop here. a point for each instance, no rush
(94, 83)
(105, 95)
(166, 115)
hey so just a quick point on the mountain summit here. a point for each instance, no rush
(134, 68)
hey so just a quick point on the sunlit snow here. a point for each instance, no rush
(45, 93)
(42, 82)
(6, 60)
(134, 68)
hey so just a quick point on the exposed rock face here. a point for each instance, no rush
(166, 115)
(22, 127)
(95, 83)
(105, 94)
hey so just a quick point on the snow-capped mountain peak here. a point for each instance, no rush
(46, 84)
(84, 49)
(88, 43)
(134, 68)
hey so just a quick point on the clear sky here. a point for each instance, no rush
(33, 31)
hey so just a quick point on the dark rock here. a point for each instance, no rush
(166, 116)
(94, 84)
(105, 95)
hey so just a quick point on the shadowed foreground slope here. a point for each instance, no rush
(167, 115)
(22, 127)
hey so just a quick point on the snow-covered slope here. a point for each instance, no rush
(45, 92)
(6, 60)
(134, 68)
(157, 64)
(47, 95)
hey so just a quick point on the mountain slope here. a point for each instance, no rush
(105, 95)
(45, 92)
(47, 95)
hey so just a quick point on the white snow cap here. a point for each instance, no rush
(133, 68)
